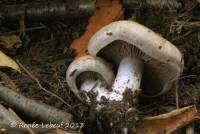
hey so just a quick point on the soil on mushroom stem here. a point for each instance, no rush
(44, 58)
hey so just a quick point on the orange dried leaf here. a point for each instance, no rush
(169, 122)
(107, 12)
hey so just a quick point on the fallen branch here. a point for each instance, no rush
(32, 108)
(46, 11)
(5, 116)
(10, 117)
(20, 120)
(169, 122)
(157, 4)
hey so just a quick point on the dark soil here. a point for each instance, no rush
(42, 54)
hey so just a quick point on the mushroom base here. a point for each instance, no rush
(121, 115)
(96, 87)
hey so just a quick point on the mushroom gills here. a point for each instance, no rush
(129, 75)
(89, 73)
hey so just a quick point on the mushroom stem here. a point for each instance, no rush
(87, 85)
(129, 75)
(96, 86)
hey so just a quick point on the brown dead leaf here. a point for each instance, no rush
(106, 12)
(169, 122)
(10, 41)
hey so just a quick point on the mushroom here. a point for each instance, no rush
(90, 74)
(144, 59)
(163, 62)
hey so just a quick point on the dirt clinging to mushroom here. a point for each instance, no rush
(121, 115)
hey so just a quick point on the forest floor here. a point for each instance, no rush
(42, 54)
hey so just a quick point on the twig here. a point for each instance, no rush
(27, 29)
(44, 42)
(189, 76)
(41, 87)
(182, 36)
(5, 116)
(22, 26)
(8, 82)
(59, 81)
(158, 4)
(177, 96)
(21, 121)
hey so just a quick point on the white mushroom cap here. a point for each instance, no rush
(163, 62)
(88, 67)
